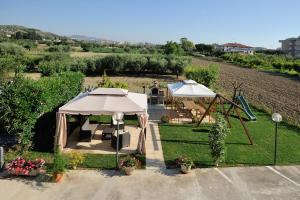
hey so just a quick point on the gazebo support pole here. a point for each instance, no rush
(208, 109)
(117, 151)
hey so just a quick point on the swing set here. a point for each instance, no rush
(221, 100)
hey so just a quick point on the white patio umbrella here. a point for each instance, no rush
(189, 88)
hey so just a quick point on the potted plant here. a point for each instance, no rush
(75, 158)
(59, 166)
(128, 164)
(185, 164)
(165, 119)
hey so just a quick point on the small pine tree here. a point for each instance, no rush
(217, 136)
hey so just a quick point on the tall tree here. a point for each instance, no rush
(187, 45)
(173, 48)
(204, 48)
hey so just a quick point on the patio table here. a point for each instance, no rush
(190, 105)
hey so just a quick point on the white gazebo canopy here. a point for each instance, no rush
(106, 101)
(189, 88)
(103, 101)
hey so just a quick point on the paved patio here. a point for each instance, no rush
(233, 183)
(99, 146)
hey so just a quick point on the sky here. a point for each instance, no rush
(258, 23)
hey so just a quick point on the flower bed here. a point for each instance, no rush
(21, 167)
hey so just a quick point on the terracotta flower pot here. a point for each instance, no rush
(186, 169)
(57, 177)
(128, 170)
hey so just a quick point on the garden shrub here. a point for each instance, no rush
(59, 162)
(8, 48)
(48, 68)
(203, 75)
(24, 101)
(59, 48)
(107, 83)
(113, 63)
(165, 119)
(75, 158)
(216, 137)
(79, 65)
(11, 57)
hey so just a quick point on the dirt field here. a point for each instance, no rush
(87, 54)
(135, 83)
(272, 91)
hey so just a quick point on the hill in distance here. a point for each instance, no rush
(11, 30)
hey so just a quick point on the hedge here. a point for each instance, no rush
(24, 101)
(113, 64)
(206, 75)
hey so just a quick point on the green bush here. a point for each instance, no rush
(48, 68)
(11, 57)
(75, 159)
(216, 137)
(59, 163)
(107, 83)
(165, 119)
(23, 101)
(8, 48)
(59, 48)
(79, 65)
(204, 75)
(113, 63)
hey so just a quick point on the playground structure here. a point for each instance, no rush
(234, 105)
(238, 98)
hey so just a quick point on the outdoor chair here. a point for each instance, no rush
(87, 131)
(124, 140)
(114, 124)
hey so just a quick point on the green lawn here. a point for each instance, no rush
(178, 140)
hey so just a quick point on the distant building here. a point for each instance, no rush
(291, 46)
(235, 47)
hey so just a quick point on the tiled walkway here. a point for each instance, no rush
(154, 152)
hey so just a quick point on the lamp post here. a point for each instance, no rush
(276, 117)
(118, 117)
(1, 158)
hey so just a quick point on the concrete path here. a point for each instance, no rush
(233, 183)
(154, 152)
